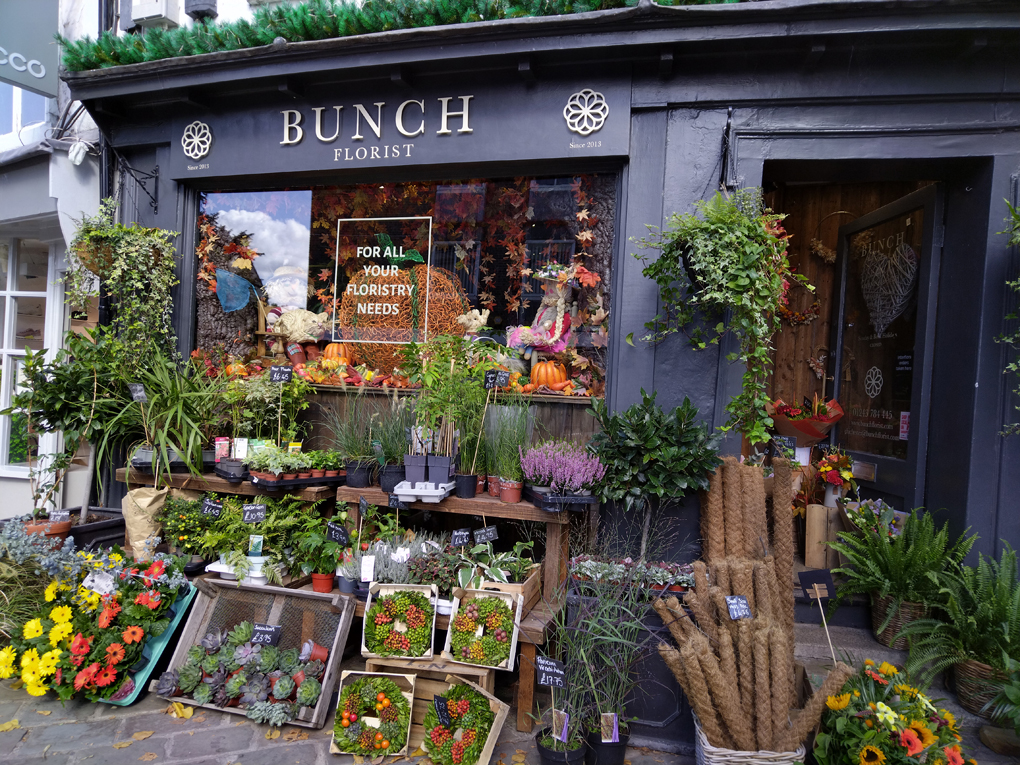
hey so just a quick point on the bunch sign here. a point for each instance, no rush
(487, 534)
(337, 534)
(551, 673)
(266, 634)
(253, 513)
(280, 373)
(738, 607)
(496, 378)
(396, 504)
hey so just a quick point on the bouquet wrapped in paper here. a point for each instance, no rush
(808, 425)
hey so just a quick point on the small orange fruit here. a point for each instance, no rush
(381, 696)
(385, 744)
(378, 737)
(345, 722)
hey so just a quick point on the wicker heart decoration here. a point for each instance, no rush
(888, 282)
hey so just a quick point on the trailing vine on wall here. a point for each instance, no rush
(1012, 338)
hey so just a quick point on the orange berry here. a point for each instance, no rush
(346, 723)
(378, 745)
(385, 703)
(378, 707)
(378, 737)
(381, 696)
(385, 744)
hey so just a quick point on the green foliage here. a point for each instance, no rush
(979, 619)
(1005, 707)
(478, 718)
(728, 264)
(260, 408)
(911, 567)
(316, 552)
(358, 698)
(308, 692)
(511, 419)
(1012, 338)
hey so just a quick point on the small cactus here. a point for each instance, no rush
(189, 676)
(167, 684)
(308, 692)
(240, 634)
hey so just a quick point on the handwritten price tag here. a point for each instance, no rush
(280, 373)
(738, 607)
(337, 533)
(487, 534)
(496, 378)
(209, 507)
(253, 513)
(460, 537)
(443, 712)
(551, 673)
(266, 634)
(138, 392)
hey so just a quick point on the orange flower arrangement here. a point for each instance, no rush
(106, 676)
(133, 634)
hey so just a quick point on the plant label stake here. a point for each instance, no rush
(487, 534)
(443, 712)
(255, 544)
(337, 534)
(253, 513)
(266, 634)
(138, 393)
(738, 607)
(281, 374)
(367, 568)
(559, 723)
(210, 507)
(551, 673)
(460, 537)
(396, 504)
(817, 585)
(609, 725)
(362, 505)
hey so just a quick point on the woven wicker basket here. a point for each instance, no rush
(706, 754)
(906, 613)
(972, 685)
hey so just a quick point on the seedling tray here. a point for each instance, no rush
(297, 482)
(555, 503)
(379, 590)
(423, 492)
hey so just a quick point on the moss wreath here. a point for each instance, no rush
(490, 649)
(377, 699)
(410, 609)
(471, 714)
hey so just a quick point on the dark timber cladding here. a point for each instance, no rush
(788, 94)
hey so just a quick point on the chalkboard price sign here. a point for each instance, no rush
(487, 534)
(266, 634)
(396, 504)
(210, 507)
(138, 392)
(738, 607)
(363, 506)
(337, 533)
(460, 537)
(783, 444)
(551, 673)
(253, 513)
(496, 378)
(280, 373)
(443, 712)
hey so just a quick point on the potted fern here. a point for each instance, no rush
(902, 574)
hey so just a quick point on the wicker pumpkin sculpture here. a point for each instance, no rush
(548, 373)
(446, 302)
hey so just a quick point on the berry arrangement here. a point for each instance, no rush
(372, 717)
(497, 622)
(399, 624)
(471, 715)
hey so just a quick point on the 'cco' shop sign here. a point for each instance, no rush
(28, 54)
(474, 123)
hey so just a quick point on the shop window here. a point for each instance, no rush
(19, 109)
(381, 265)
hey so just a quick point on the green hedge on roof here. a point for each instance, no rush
(318, 20)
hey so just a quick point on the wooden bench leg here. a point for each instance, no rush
(526, 688)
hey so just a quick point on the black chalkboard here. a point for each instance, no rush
(551, 673)
(138, 392)
(496, 378)
(460, 537)
(783, 444)
(337, 533)
(266, 634)
(443, 712)
(396, 504)
(210, 507)
(739, 609)
(487, 534)
(363, 506)
(280, 373)
(253, 513)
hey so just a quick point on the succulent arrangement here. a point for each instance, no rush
(470, 716)
(400, 624)
(372, 718)
(492, 647)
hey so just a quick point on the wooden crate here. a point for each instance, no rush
(516, 604)
(324, 618)
(423, 699)
(407, 684)
(530, 589)
(436, 668)
(379, 590)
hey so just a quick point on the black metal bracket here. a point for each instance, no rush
(727, 180)
(142, 179)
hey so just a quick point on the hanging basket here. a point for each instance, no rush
(907, 612)
(706, 754)
(97, 258)
(973, 685)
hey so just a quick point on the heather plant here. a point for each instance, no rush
(563, 466)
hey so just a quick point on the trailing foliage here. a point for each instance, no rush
(318, 20)
(911, 567)
(1012, 339)
(980, 620)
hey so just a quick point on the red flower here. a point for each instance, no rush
(81, 645)
(107, 615)
(150, 599)
(133, 634)
(86, 677)
(953, 755)
(126, 573)
(59, 676)
(154, 572)
(114, 654)
(833, 477)
(876, 677)
(106, 676)
(910, 741)
(77, 660)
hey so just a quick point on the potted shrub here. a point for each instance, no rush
(441, 569)
(511, 422)
(348, 573)
(319, 555)
(184, 525)
(537, 465)
(902, 574)
(332, 463)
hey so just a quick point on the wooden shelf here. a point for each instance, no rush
(486, 506)
(212, 482)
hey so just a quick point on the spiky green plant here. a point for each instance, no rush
(979, 619)
(911, 567)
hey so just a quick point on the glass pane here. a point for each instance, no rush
(30, 315)
(3, 321)
(5, 256)
(33, 108)
(19, 445)
(6, 108)
(32, 262)
(879, 328)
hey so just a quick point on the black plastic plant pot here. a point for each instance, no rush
(390, 476)
(552, 757)
(359, 474)
(467, 486)
(599, 753)
(439, 469)
(346, 585)
(231, 467)
(414, 468)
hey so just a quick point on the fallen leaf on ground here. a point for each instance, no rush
(272, 733)
(419, 752)
(378, 759)
(295, 735)
(191, 733)
(178, 710)
(142, 735)
(626, 762)
(519, 757)
(9, 725)
(17, 685)
(148, 757)
(44, 712)
(358, 759)
(521, 751)
(123, 744)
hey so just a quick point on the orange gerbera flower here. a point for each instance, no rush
(153, 572)
(910, 741)
(953, 755)
(106, 676)
(876, 677)
(114, 654)
(106, 617)
(133, 634)
(81, 645)
(150, 599)
(86, 677)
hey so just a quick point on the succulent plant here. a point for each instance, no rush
(289, 661)
(167, 684)
(235, 684)
(256, 689)
(226, 655)
(260, 711)
(308, 692)
(213, 640)
(202, 694)
(195, 654)
(221, 698)
(314, 669)
(270, 658)
(240, 634)
(283, 689)
(189, 676)
(280, 714)
(247, 654)
(210, 664)
(306, 650)
(216, 679)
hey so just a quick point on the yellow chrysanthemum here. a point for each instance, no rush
(60, 632)
(29, 676)
(836, 703)
(907, 691)
(923, 732)
(32, 629)
(29, 659)
(51, 591)
(61, 614)
(35, 689)
(857, 694)
(871, 755)
(888, 669)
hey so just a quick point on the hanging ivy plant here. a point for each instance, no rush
(728, 263)
(1012, 339)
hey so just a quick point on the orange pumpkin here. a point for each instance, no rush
(548, 373)
(236, 368)
(336, 351)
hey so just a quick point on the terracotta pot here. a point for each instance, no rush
(318, 473)
(658, 587)
(288, 476)
(510, 491)
(480, 489)
(322, 582)
(56, 531)
(493, 485)
(319, 653)
(303, 476)
(298, 677)
(332, 473)
(677, 588)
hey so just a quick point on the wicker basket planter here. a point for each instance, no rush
(906, 613)
(972, 685)
(706, 754)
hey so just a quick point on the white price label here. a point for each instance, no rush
(101, 582)
(367, 568)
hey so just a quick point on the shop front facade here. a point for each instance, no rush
(395, 181)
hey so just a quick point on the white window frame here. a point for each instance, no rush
(22, 135)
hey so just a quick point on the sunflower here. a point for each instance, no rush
(870, 755)
(60, 632)
(923, 732)
(106, 676)
(133, 634)
(836, 703)
(114, 654)
(888, 669)
(61, 614)
(910, 741)
(32, 629)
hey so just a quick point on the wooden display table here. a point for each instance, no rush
(212, 482)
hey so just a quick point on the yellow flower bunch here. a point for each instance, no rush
(60, 632)
(51, 591)
(885, 714)
(32, 629)
(61, 614)
(87, 599)
(7, 658)
(48, 662)
(887, 669)
(836, 703)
